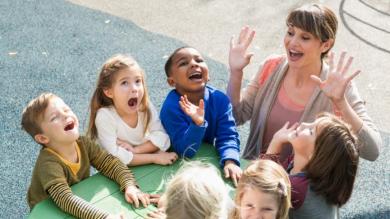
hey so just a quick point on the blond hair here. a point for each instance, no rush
(33, 114)
(196, 191)
(268, 177)
(105, 81)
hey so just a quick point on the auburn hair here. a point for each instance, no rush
(333, 166)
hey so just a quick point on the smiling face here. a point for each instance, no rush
(59, 125)
(256, 204)
(127, 91)
(188, 71)
(302, 47)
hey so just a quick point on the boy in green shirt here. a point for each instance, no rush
(65, 159)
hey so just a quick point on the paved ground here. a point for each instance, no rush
(58, 46)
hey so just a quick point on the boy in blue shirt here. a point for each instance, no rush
(194, 112)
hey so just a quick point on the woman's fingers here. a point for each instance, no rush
(341, 61)
(349, 78)
(249, 38)
(317, 80)
(232, 42)
(242, 34)
(331, 61)
(346, 67)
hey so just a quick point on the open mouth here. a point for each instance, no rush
(195, 76)
(133, 102)
(70, 126)
(295, 54)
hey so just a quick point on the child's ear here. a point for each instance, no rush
(108, 92)
(41, 138)
(171, 82)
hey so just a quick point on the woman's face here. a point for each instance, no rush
(256, 204)
(302, 47)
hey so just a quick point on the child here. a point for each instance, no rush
(323, 167)
(194, 112)
(186, 196)
(300, 84)
(123, 119)
(65, 159)
(264, 191)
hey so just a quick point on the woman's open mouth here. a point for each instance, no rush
(294, 55)
(69, 126)
(133, 102)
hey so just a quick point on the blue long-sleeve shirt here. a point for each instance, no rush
(218, 129)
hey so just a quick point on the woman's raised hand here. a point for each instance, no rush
(238, 55)
(338, 79)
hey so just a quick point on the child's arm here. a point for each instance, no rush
(106, 129)
(70, 203)
(280, 137)
(185, 135)
(161, 158)
(147, 147)
(227, 141)
(114, 169)
(156, 132)
(226, 136)
(157, 138)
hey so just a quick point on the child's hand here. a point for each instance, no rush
(155, 199)
(116, 216)
(126, 145)
(238, 56)
(195, 112)
(280, 137)
(232, 171)
(165, 158)
(158, 214)
(133, 195)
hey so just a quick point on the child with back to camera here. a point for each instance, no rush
(194, 111)
(196, 191)
(264, 191)
(65, 159)
(322, 169)
(123, 119)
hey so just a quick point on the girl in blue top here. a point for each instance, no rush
(194, 112)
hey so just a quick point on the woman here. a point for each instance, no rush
(300, 84)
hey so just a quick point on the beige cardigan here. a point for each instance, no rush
(256, 101)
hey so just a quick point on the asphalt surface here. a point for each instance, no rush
(58, 46)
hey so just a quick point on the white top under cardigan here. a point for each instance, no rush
(110, 126)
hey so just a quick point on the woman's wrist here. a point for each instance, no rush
(340, 106)
(236, 74)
